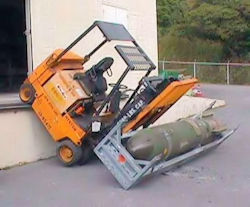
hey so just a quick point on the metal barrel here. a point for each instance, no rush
(175, 138)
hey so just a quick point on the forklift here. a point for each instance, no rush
(73, 104)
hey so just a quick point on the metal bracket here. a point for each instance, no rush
(129, 171)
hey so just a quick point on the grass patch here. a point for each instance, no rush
(183, 49)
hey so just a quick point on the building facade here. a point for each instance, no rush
(42, 27)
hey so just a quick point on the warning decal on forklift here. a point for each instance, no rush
(61, 91)
(96, 126)
(56, 93)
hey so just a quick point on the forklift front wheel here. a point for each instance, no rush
(68, 153)
(27, 93)
(87, 152)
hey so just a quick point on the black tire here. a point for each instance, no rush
(75, 150)
(27, 93)
(87, 152)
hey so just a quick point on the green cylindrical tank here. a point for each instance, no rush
(174, 138)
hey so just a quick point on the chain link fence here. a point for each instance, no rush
(209, 72)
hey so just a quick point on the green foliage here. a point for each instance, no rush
(215, 22)
(211, 74)
(225, 22)
(173, 47)
(169, 13)
(240, 75)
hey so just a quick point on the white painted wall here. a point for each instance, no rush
(187, 106)
(55, 24)
(23, 138)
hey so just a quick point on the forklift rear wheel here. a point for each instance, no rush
(27, 93)
(68, 153)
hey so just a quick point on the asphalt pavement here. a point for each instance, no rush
(219, 178)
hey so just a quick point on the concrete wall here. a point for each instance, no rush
(55, 24)
(187, 106)
(23, 138)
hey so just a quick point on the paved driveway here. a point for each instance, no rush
(221, 178)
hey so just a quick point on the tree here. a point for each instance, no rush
(227, 21)
(170, 13)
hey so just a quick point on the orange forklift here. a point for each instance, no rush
(72, 101)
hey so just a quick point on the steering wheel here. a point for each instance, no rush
(125, 93)
(124, 90)
(121, 86)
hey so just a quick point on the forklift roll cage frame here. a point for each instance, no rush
(115, 32)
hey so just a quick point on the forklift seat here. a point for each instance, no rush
(93, 80)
